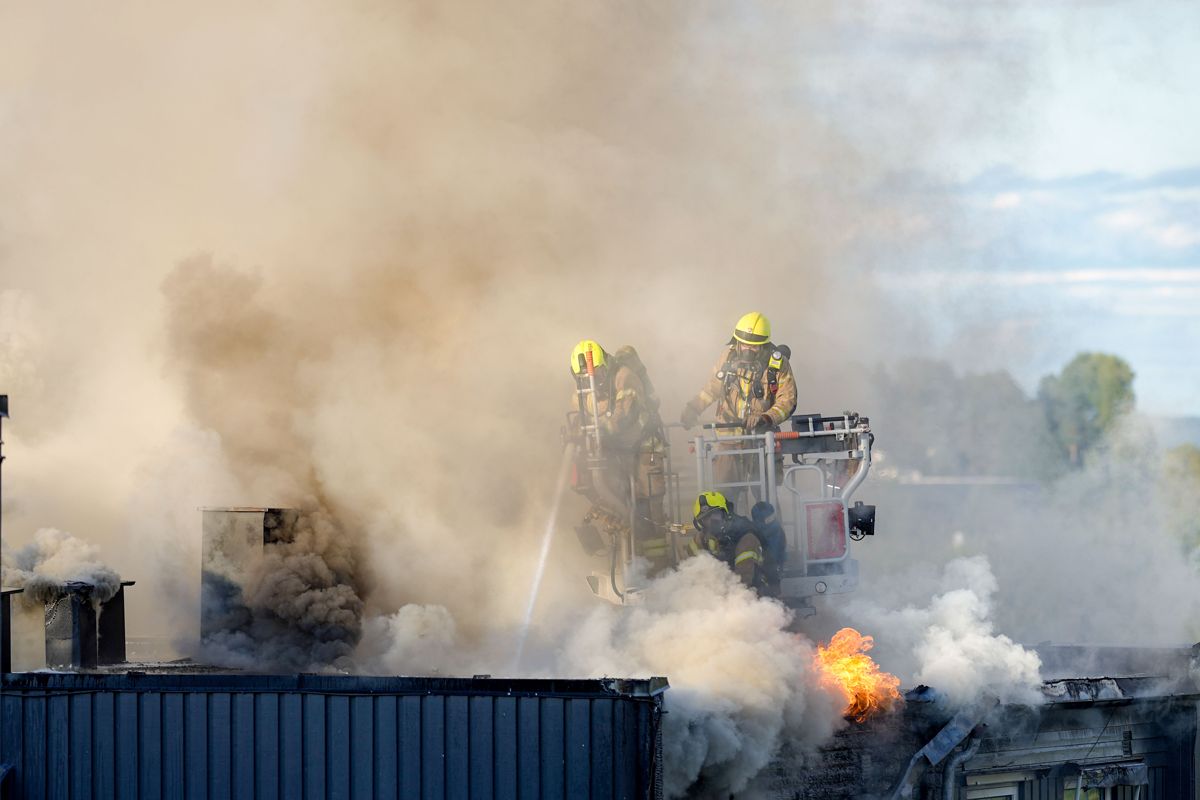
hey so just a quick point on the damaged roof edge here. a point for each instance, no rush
(1090, 690)
(1098, 690)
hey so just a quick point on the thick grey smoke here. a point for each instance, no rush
(296, 607)
(413, 212)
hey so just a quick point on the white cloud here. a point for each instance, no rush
(1124, 220)
(1154, 194)
(1177, 236)
(1130, 275)
(1087, 291)
(1132, 292)
(1152, 309)
(1150, 223)
(1006, 200)
(1140, 301)
(1036, 278)
(1177, 292)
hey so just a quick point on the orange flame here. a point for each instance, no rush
(845, 665)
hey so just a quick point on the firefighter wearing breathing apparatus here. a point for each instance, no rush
(752, 385)
(753, 548)
(620, 465)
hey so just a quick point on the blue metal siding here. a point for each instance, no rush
(278, 738)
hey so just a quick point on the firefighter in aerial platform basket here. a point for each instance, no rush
(620, 460)
(753, 548)
(753, 386)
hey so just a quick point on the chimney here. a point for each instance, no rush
(71, 628)
(110, 629)
(6, 596)
(81, 636)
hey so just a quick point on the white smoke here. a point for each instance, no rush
(951, 644)
(1102, 533)
(740, 681)
(52, 559)
(416, 640)
(1113, 523)
(742, 684)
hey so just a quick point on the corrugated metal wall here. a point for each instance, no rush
(1159, 732)
(131, 736)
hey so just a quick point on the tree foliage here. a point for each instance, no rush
(939, 422)
(1082, 402)
(1181, 484)
(1183, 465)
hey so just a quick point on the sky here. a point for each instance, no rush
(1078, 195)
(1107, 197)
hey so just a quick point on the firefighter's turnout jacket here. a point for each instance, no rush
(634, 445)
(626, 421)
(749, 384)
(745, 385)
(753, 550)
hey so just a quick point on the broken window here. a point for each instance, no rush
(1124, 781)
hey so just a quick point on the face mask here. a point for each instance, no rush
(711, 522)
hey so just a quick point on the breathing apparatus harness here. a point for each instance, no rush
(741, 371)
(628, 358)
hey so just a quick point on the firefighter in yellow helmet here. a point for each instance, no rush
(751, 384)
(614, 421)
(753, 548)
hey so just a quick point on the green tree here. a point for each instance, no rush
(1181, 483)
(1184, 462)
(1083, 401)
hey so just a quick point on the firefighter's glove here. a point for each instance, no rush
(689, 417)
(758, 422)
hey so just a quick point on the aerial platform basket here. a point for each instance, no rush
(809, 474)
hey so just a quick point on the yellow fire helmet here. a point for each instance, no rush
(753, 328)
(708, 500)
(579, 356)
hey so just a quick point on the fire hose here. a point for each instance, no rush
(617, 531)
